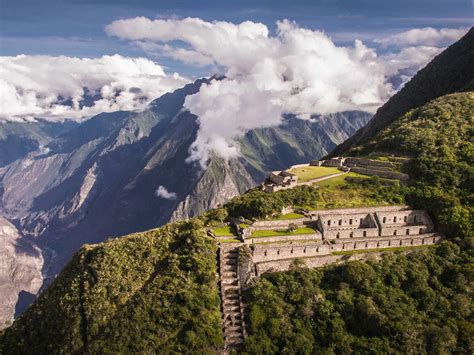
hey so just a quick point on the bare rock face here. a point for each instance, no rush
(20, 270)
(100, 179)
(221, 181)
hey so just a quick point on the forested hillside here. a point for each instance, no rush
(149, 291)
(449, 72)
(416, 303)
(157, 291)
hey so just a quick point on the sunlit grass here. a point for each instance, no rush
(279, 233)
(307, 173)
(288, 216)
(226, 231)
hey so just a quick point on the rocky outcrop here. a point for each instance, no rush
(218, 184)
(20, 271)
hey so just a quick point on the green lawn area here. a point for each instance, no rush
(233, 240)
(307, 173)
(350, 252)
(288, 216)
(279, 233)
(226, 231)
(338, 192)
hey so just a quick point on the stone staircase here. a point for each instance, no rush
(231, 297)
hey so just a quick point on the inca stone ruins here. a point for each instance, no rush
(314, 238)
(280, 180)
(285, 179)
(329, 236)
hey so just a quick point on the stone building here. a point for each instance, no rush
(280, 180)
(340, 226)
(335, 162)
(404, 222)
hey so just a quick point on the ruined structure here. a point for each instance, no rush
(340, 230)
(280, 180)
(334, 162)
(383, 169)
(330, 236)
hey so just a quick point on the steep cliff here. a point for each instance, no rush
(103, 178)
(20, 271)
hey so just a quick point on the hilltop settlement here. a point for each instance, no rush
(314, 238)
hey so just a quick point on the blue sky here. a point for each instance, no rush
(277, 56)
(76, 27)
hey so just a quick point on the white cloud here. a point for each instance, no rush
(164, 193)
(296, 71)
(427, 36)
(36, 86)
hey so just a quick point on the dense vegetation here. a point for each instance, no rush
(342, 191)
(440, 137)
(148, 291)
(417, 303)
(157, 291)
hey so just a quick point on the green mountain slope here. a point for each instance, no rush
(416, 303)
(449, 72)
(153, 290)
(157, 291)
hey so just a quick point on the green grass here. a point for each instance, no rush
(278, 233)
(339, 192)
(351, 252)
(288, 216)
(226, 231)
(313, 172)
(233, 240)
(290, 241)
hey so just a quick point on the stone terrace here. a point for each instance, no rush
(340, 235)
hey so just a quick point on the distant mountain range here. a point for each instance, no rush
(157, 291)
(83, 183)
(17, 139)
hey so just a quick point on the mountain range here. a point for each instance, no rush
(157, 291)
(74, 184)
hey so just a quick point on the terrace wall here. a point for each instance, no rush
(269, 258)
(276, 239)
(386, 174)
(352, 162)
(351, 233)
(281, 224)
(281, 252)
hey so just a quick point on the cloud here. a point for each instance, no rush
(59, 87)
(427, 36)
(297, 71)
(164, 193)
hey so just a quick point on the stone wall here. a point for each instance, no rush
(281, 224)
(284, 238)
(402, 218)
(365, 210)
(405, 230)
(351, 233)
(279, 258)
(346, 220)
(288, 251)
(313, 262)
(351, 162)
(387, 174)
